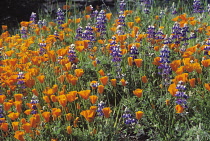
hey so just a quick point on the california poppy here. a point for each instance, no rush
(144, 79)
(15, 126)
(69, 129)
(172, 89)
(84, 94)
(138, 92)
(207, 86)
(100, 89)
(93, 99)
(179, 109)
(138, 62)
(46, 116)
(88, 114)
(68, 116)
(104, 80)
(19, 135)
(139, 115)
(106, 111)
(2, 98)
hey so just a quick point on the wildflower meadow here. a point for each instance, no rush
(138, 71)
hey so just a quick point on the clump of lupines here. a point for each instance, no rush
(100, 24)
(42, 23)
(34, 102)
(173, 9)
(79, 33)
(121, 18)
(71, 53)
(134, 52)
(42, 49)
(88, 34)
(60, 18)
(128, 117)
(33, 19)
(197, 6)
(207, 48)
(23, 32)
(181, 94)
(122, 5)
(99, 111)
(165, 69)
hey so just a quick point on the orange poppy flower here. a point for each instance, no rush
(138, 62)
(101, 72)
(100, 89)
(27, 112)
(167, 102)
(18, 105)
(68, 116)
(156, 61)
(137, 19)
(89, 115)
(104, 80)
(175, 64)
(2, 98)
(4, 27)
(108, 16)
(79, 72)
(207, 86)
(19, 135)
(46, 116)
(123, 82)
(7, 105)
(56, 112)
(71, 96)
(192, 82)
(130, 61)
(27, 127)
(205, 63)
(114, 82)
(4, 127)
(66, 7)
(41, 78)
(138, 92)
(34, 91)
(46, 99)
(93, 99)
(106, 111)
(144, 79)
(84, 94)
(74, 80)
(13, 116)
(15, 126)
(62, 100)
(69, 130)
(179, 109)
(130, 24)
(139, 115)
(172, 89)
(76, 121)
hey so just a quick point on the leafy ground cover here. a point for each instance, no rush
(139, 71)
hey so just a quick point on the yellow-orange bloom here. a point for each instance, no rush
(100, 89)
(19, 135)
(179, 109)
(104, 80)
(144, 79)
(106, 111)
(138, 92)
(139, 115)
(69, 129)
(84, 94)
(89, 115)
(93, 99)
